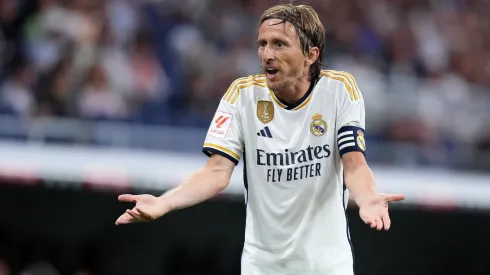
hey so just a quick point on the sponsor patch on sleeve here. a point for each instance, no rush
(220, 125)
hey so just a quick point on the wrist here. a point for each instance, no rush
(165, 204)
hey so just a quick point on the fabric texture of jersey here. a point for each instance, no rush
(293, 174)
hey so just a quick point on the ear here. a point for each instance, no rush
(313, 54)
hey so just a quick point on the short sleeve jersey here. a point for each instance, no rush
(293, 175)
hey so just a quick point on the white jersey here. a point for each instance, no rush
(293, 175)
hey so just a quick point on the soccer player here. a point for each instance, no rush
(300, 133)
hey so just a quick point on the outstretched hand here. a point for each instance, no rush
(374, 211)
(147, 208)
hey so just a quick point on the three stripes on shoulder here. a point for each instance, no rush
(347, 79)
(233, 91)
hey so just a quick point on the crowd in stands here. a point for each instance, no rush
(423, 65)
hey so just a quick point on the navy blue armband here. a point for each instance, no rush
(351, 139)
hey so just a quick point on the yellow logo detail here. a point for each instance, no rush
(361, 142)
(265, 111)
(318, 126)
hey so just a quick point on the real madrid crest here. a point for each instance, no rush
(361, 141)
(265, 111)
(318, 126)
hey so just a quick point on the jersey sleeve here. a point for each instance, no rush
(225, 135)
(351, 135)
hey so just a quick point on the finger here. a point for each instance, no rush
(395, 197)
(135, 215)
(379, 224)
(127, 198)
(367, 221)
(124, 219)
(373, 224)
(143, 213)
(387, 221)
(370, 221)
(120, 220)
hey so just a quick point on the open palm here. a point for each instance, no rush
(147, 208)
(375, 211)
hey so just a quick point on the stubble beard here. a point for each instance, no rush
(280, 89)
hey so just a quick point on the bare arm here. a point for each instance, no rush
(373, 206)
(205, 183)
(358, 177)
(202, 185)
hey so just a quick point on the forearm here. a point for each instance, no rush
(361, 183)
(202, 185)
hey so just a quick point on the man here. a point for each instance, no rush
(300, 132)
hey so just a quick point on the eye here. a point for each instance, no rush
(279, 44)
(261, 44)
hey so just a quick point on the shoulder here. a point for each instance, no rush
(343, 83)
(243, 84)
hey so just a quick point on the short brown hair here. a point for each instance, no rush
(308, 26)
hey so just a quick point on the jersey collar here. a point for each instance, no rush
(298, 105)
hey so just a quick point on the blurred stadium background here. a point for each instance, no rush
(100, 97)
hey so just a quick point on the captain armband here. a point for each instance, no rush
(351, 139)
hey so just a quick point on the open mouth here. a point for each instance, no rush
(271, 72)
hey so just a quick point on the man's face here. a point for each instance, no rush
(281, 54)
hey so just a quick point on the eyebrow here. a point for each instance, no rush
(274, 39)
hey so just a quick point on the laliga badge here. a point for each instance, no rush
(220, 125)
(265, 111)
(318, 126)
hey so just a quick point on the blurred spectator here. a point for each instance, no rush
(17, 92)
(98, 100)
(149, 80)
(45, 38)
(54, 95)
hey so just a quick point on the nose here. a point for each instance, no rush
(268, 54)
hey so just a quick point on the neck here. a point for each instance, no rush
(293, 93)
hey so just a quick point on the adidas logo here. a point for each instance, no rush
(265, 132)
